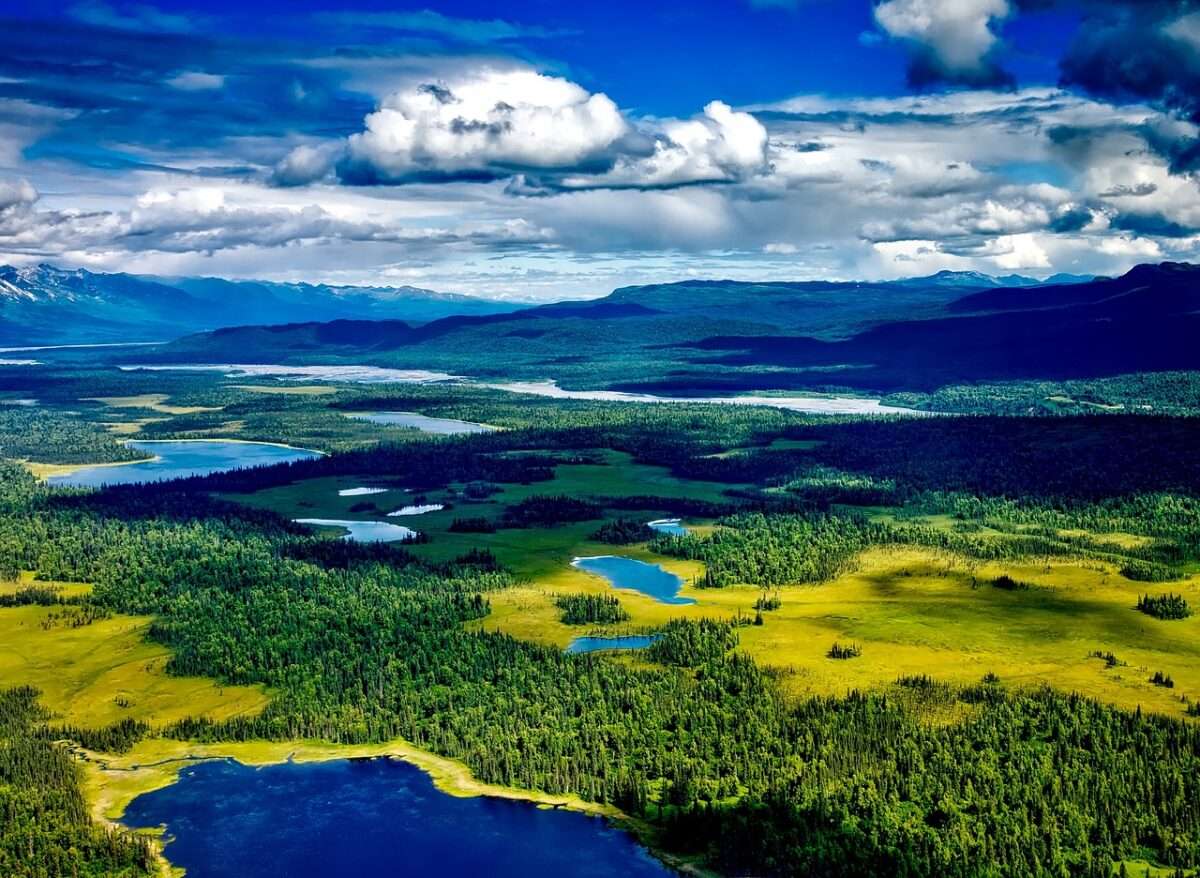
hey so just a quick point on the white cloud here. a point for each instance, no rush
(306, 163)
(487, 122)
(205, 220)
(196, 80)
(544, 133)
(721, 146)
(1019, 252)
(16, 194)
(957, 33)
(1035, 180)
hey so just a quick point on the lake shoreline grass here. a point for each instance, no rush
(111, 783)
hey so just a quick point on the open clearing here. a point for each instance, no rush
(96, 674)
(155, 402)
(914, 611)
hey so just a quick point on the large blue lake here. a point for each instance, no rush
(376, 817)
(424, 423)
(174, 459)
(649, 579)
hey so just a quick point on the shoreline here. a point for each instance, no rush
(111, 783)
(238, 441)
(44, 471)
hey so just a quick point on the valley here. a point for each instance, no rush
(987, 576)
(725, 440)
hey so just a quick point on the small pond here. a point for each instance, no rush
(649, 579)
(416, 510)
(424, 423)
(604, 644)
(363, 531)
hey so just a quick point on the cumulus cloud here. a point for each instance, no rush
(542, 133)
(490, 123)
(968, 219)
(1036, 180)
(1123, 49)
(1148, 50)
(721, 146)
(949, 39)
(306, 163)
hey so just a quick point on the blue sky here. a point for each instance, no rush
(545, 149)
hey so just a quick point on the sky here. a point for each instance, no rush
(540, 150)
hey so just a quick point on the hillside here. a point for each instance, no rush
(46, 305)
(821, 308)
(1144, 321)
(694, 337)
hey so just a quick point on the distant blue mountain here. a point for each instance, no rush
(975, 279)
(696, 336)
(44, 304)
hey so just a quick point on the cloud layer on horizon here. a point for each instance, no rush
(477, 169)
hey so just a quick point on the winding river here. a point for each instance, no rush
(364, 374)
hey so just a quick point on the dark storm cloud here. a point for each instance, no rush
(926, 71)
(1152, 225)
(1073, 220)
(1147, 51)
(1123, 50)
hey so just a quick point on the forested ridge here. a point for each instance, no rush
(368, 643)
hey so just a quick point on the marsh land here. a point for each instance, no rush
(852, 645)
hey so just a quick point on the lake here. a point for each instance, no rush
(424, 423)
(604, 644)
(649, 579)
(670, 526)
(363, 531)
(377, 817)
(176, 458)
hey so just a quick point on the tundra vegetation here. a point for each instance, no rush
(970, 568)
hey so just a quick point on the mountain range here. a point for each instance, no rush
(42, 304)
(687, 337)
(706, 336)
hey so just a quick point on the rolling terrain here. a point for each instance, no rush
(695, 337)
